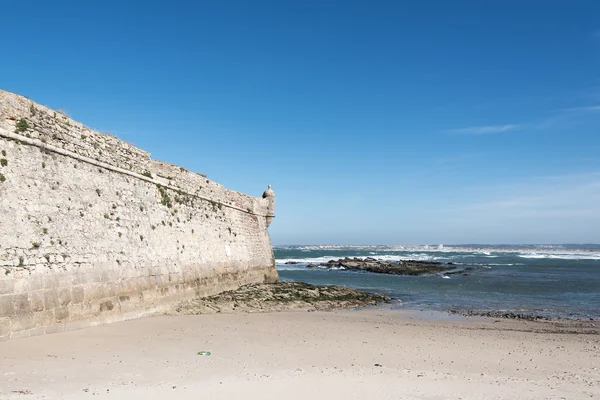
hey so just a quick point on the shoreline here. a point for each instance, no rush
(590, 324)
(507, 315)
(300, 296)
(358, 354)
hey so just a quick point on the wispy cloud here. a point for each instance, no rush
(582, 109)
(484, 130)
(555, 196)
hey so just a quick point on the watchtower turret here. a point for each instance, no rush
(269, 195)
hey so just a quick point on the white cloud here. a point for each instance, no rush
(559, 196)
(583, 109)
(484, 130)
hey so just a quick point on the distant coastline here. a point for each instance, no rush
(466, 248)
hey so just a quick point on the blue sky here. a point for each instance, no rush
(376, 122)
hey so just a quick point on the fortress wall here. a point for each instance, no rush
(92, 230)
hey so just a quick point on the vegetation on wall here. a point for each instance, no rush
(22, 126)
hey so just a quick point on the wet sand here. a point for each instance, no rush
(368, 354)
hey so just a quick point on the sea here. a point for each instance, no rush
(554, 281)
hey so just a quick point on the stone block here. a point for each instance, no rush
(65, 280)
(35, 282)
(160, 281)
(80, 323)
(105, 276)
(7, 286)
(22, 323)
(36, 300)
(114, 275)
(22, 304)
(55, 328)
(78, 278)
(93, 291)
(90, 277)
(7, 305)
(61, 313)
(76, 312)
(22, 285)
(39, 330)
(44, 318)
(77, 294)
(139, 284)
(110, 289)
(4, 327)
(126, 285)
(50, 299)
(149, 296)
(64, 297)
(20, 334)
(50, 281)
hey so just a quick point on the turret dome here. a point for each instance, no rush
(268, 193)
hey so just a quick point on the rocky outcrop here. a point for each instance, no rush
(405, 267)
(281, 297)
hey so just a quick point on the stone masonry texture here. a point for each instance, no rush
(92, 230)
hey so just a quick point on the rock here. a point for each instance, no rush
(280, 297)
(503, 314)
(406, 267)
(292, 263)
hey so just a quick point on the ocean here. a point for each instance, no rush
(545, 280)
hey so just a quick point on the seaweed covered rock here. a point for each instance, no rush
(405, 267)
(281, 296)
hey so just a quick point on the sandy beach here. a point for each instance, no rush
(368, 354)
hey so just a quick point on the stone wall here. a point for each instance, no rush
(92, 230)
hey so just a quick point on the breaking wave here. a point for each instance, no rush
(562, 256)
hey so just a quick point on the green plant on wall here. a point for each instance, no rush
(22, 126)
(165, 200)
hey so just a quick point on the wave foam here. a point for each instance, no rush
(562, 256)
(379, 257)
(313, 260)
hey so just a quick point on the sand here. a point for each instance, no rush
(369, 354)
